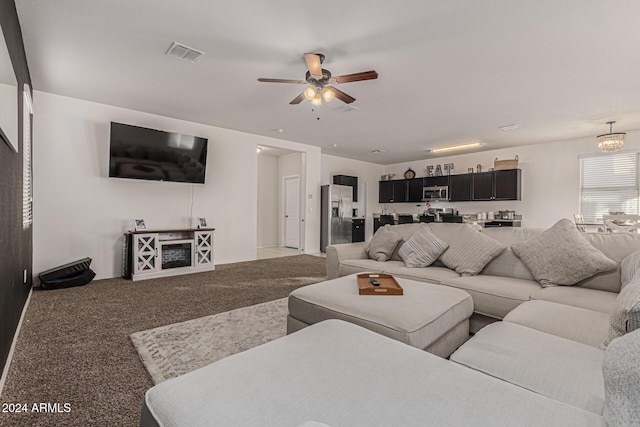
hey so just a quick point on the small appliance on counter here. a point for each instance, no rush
(506, 215)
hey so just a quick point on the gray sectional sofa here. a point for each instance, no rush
(505, 282)
(537, 357)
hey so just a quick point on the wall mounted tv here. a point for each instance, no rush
(141, 153)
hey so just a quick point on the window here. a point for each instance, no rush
(27, 191)
(608, 183)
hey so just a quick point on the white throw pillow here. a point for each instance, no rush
(629, 266)
(562, 256)
(383, 244)
(470, 251)
(422, 248)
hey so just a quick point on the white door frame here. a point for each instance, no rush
(285, 178)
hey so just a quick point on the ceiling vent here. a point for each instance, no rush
(185, 53)
(510, 127)
(345, 108)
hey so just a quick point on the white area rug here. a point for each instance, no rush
(173, 350)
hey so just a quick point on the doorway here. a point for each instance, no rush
(291, 209)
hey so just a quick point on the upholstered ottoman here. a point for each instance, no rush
(428, 316)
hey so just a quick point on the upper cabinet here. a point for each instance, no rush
(460, 188)
(483, 186)
(507, 184)
(497, 185)
(351, 181)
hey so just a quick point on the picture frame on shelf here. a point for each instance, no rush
(201, 222)
(139, 225)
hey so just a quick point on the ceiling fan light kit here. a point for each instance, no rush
(611, 142)
(320, 79)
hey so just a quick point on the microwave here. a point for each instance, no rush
(436, 193)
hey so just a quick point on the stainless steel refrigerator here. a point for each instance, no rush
(335, 215)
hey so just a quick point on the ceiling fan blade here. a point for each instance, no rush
(347, 99)
(313, 64)
(300, 82)
(356, 77)
(298, 99)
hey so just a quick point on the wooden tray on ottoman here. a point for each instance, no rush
(388, 284)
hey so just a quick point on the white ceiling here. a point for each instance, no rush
(449, 71)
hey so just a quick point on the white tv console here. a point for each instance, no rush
(162, 253)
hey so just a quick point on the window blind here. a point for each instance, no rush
(608, 183)
(27, 191)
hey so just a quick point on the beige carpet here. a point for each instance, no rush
(173, 350)
(74, 345)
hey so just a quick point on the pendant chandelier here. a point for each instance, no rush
(611, 142)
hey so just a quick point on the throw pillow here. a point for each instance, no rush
(562, 256)
(383, 244)
(621, 371)
(470, 251)
(626, 313)
(629, 266)
(422, 248)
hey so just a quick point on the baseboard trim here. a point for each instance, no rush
(7, 365)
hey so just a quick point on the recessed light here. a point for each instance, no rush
(378, 150)
(455, 147)
(280, 130)
(334, 145)
(510, 127)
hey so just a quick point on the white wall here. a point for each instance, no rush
(268, 204)
(550, 179)
(79, 211)
(366, 172)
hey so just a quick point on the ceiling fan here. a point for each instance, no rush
(321, 81)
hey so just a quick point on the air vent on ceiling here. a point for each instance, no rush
(510, 127)
(185, 53)
(345, 108)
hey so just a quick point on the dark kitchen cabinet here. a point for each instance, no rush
(460, 188)
(393, 191)
(497, 185)
(415, 189)
(507, 184)
(432, 181)
(351, 181)
(385, 192)
(357, 231)
(482, 186)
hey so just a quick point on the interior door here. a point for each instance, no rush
(292, 212)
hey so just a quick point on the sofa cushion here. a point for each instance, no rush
(615, 246)
(422, 248)
(565, 370)
(591, 299)
(629, 266)
(324, 373)
(573, 323)
(351, 266)
(383, 243)
(470, 251)
(621, 371)
(495, 296)
(626, 313)
(562, 256)
(405, 231)
(507, 264)
(431, 274)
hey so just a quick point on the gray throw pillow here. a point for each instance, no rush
(562, 256)
(422, 248)
(621, 374)
(629, 266)
(383, 244)
(626, 313)
(470, 251)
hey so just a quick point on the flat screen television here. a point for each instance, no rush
(141, 153)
